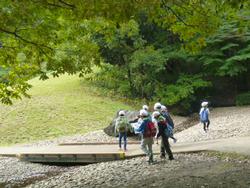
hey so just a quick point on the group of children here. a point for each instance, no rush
(157, 125)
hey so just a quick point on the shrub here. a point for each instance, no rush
(243, 99)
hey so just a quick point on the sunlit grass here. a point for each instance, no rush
(58, 107)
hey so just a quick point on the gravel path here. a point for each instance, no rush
(16, 173)
(225, 122)
(185, 170)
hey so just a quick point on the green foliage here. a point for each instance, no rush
(243, 99)
(227, 52)
(146, 66)
(70, 36)
(166, 72)
(113, 79)
(182, 92)
(55, 32)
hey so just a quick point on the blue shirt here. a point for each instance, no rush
(143, 125)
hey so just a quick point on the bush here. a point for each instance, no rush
(182, 93)
(243, 99)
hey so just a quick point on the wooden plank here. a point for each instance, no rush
(97, 143)
(72, 158)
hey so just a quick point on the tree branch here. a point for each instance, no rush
(55, 3)
(67, 4)
(23, 39)
(176, 15)
(9, 47)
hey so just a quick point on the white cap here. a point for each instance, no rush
(143, 113)
(145, 107)
(203, 104)
(157, 106)
(121, 113)
(163, 108)
(156, 113)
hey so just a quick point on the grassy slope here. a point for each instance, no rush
(59, 106)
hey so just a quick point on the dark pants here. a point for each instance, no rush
(165, 147)
(124, 136)
(206, 125)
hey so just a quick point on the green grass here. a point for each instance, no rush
(58, 107)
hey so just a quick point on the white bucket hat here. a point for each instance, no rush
(163, 108)
(203, 104)
(157, 106)
(143, 113)
(145, 107)
(121, 113)
(156, 113)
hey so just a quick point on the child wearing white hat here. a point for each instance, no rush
(204, 115)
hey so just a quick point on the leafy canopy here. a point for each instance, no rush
(37, 37)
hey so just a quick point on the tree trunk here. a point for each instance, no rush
(131, 84)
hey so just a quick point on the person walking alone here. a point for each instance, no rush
(204, 116)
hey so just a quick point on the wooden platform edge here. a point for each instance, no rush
(193, 151)
(8, 155)
(96, 143)
(71, 158)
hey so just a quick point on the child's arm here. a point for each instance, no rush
(157, 130)
(129, 126)
(141, 128)
(116, 125)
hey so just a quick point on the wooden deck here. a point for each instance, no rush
(78, 152)
(73, 152)
(101, 152)
(81, 153)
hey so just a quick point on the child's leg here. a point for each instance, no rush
(125, 141)
(144, 146)
(167, 147)
(162, 149)
(204, 127)
(208, 123)
(175, 140)
(120, 140)
(150, 151)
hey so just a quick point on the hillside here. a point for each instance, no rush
(58, 107)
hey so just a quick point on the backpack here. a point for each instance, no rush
(204, 115)
(169, 120)
(169, 131)
(122, 125)
(150, 130)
